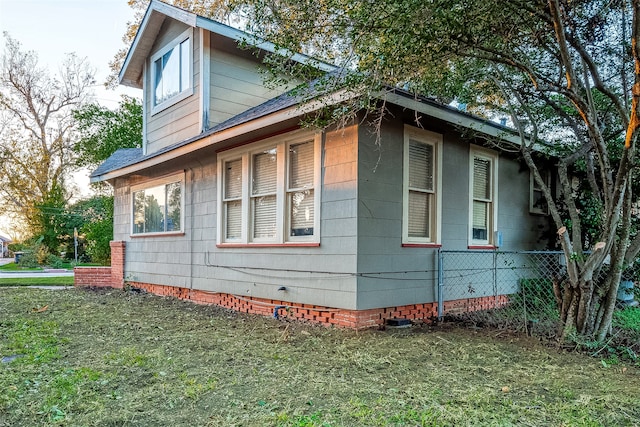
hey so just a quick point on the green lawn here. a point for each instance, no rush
(36, 281)
(115, 358)
(12, 266)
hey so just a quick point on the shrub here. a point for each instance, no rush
(54, 261)
(629, 318)
(42, 253)
(28, 260)
(536, 295)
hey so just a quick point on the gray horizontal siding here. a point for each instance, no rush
(236, 85)
(390, 274)
(323, 275)
(181, 120)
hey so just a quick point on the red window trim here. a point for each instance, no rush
(421, 245)
(482, 247)
(157, 234)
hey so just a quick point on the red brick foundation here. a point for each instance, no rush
(92, 276)
(353, 319)
(475, 304)
(117, 263)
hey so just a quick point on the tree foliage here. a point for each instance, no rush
(96, 228)
(102, 131)
(37, 130)
(51, 220)
(566, 73)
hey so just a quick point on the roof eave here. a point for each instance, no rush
(455, 117)
(223, 135)
(131, 71)
(437, 111)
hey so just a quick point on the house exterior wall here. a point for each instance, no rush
(180, 121)
(393, 274)
(322, 275)
(236, 82)
(362, 271)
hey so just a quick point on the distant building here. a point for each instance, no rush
(4, 248)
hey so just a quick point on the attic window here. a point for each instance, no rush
(171, 74)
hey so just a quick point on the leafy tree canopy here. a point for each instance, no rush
(37, 130)
(103, 131)
(566, 74)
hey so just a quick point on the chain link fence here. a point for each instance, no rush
(502, 289)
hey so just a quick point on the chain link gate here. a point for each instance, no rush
(501, 289)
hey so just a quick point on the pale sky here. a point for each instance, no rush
(90, 28)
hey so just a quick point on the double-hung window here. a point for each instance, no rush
(537, 202)
(267, 192)
(264, 196)
(158, 206)
(171, 72)
(483, 206)
(421, 183)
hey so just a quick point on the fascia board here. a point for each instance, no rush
(453, 117)
(197, 21)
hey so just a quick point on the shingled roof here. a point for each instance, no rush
(296, 97)
(130, 156)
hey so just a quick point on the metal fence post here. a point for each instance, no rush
(440, 284)
(495, 278)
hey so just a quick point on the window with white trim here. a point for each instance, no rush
(171, 72)
(537, 202)
(483, 212)
(158, 206)
(421, 185)
(267, 192)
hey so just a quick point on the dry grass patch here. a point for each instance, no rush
(112, 358)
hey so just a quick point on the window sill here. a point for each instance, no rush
(538, 213)
(167, 234)
(486, 247)
(172, 101)
(269, 245)
(421, 245)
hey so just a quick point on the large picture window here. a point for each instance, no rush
(421, 199)
(268, 192)
(172, 76)
(482, 197)
(157, 208)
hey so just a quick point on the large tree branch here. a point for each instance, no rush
(634, 120)
(598, 82)
(563, 48)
